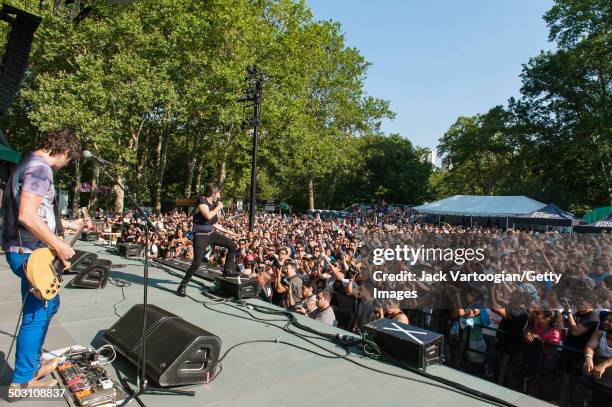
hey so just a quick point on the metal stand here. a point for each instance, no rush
(253, 94)
(142, 383)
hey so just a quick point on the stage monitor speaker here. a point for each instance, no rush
(81, 261)
(95, 276)
(410, 344)
(130, 249)
(15, 59)
(240, 288)
(178, 352)
(90, 236)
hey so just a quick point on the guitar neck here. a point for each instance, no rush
(74, 238)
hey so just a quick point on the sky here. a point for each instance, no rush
(437, 60)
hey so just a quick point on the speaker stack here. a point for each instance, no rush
(17, 52)
(177, 352)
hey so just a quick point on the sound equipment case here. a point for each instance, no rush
(130, 249)
(242, 288)
(406, 343)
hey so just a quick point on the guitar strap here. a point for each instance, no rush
(59, 229)
(9, 203)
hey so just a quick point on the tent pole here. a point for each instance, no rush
(471, 221)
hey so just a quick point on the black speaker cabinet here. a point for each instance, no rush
(178, 352)
(81, 261)
(89, 236)
(413, 345)
(17, 52)
(238, 288)
(95, 276)
(130, 249)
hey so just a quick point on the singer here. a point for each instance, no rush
(206, 232)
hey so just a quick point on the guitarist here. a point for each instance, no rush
(31, 221)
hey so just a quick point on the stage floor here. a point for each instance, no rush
(259, 374)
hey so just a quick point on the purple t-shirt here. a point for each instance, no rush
(33, 174)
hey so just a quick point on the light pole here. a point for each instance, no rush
(252, 98)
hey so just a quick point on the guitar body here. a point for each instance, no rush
(44, 272)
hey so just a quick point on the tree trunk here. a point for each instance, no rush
(222, 170)
(119, 194)
(198, 177)
(76, 198)
(332, 191)
(161, 167)
(193, 156)
(190, 171)
(311, 204)
(93, 197)
(142, 159)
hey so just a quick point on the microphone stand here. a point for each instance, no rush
(142, 382)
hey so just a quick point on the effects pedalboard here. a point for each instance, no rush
(86, 380)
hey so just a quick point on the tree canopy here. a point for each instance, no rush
(153, 87)
(554, 143)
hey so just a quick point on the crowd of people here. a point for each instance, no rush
(525, 335)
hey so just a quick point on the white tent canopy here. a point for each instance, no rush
(475, 205)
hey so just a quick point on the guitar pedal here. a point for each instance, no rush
(105, 382)
(81, 385)
(64, 366)
(80, 394)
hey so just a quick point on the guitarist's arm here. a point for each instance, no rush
(28, 217)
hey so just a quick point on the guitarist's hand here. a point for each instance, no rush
(63, 251)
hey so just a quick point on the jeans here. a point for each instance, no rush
(34, 324)
(201, 242)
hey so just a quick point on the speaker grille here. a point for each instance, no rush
(178, 352)
(15, 59)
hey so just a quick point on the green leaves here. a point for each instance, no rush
(555, 142)
(152, 85)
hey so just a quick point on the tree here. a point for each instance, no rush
(152, 86)
(555, 142)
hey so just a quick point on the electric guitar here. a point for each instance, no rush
(44, 270)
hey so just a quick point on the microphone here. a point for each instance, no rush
(222, 211)
(89, 154)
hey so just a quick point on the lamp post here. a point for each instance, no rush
(252, 98)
